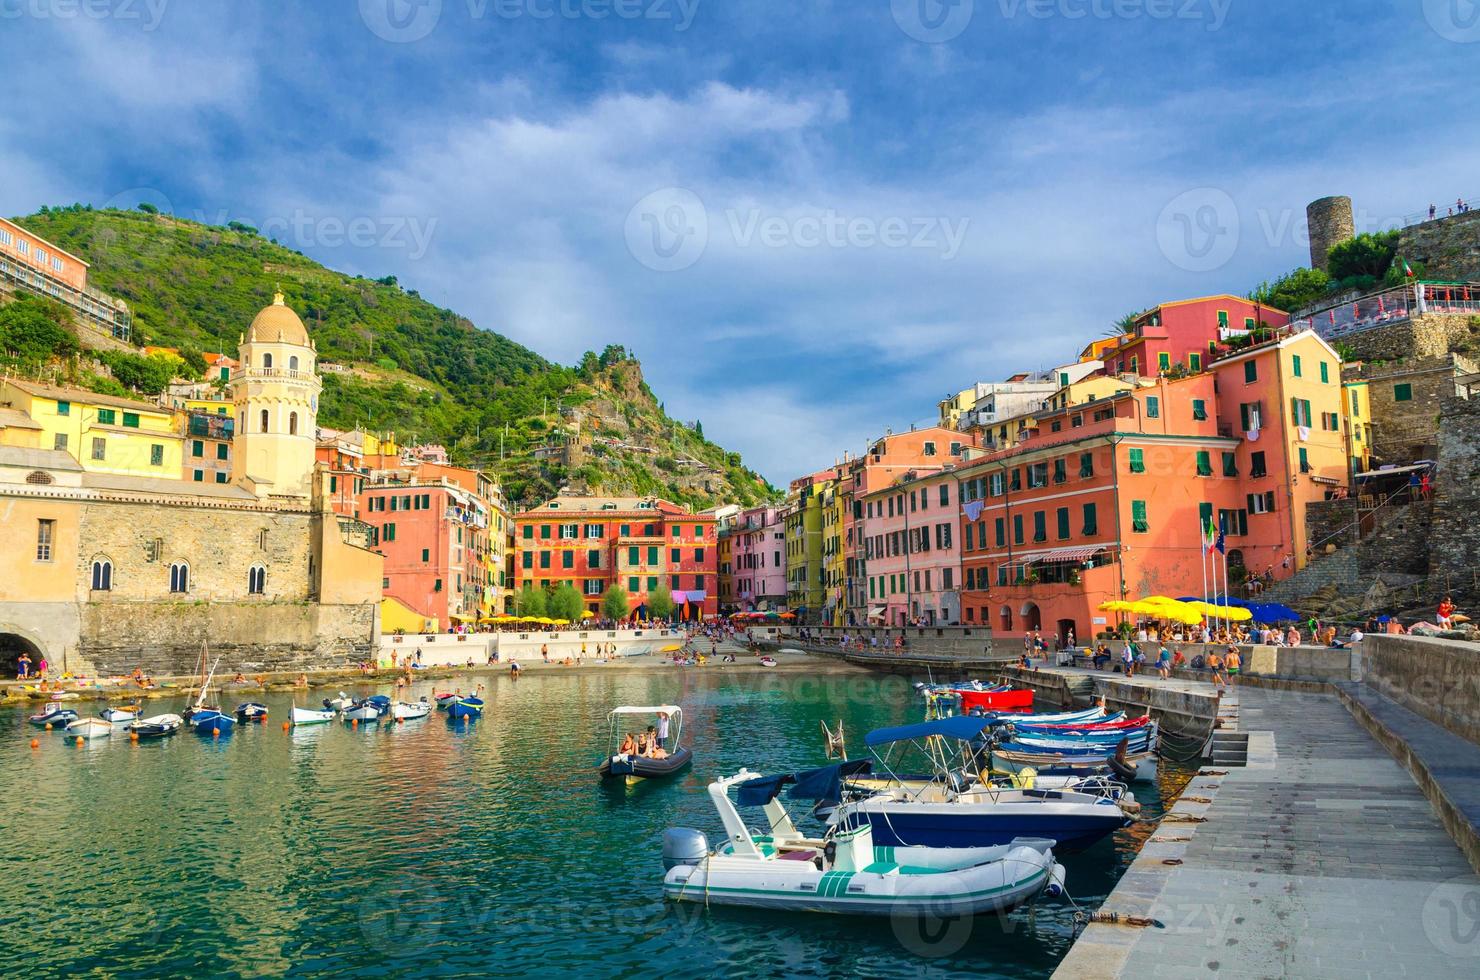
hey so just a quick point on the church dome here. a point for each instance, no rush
(278, 324)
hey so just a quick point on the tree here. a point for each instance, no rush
(660, 602)
(1294, 290)
(614, 604)
(144, 206)
(566, 603)
(531, 601)
(33, 330)
(1366, 255)
(150, 375)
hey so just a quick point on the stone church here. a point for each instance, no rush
(103, 572)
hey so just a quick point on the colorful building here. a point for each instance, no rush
(207, 449)
(1110, 502)
(31, 264)
(910, 542)
(594, 543)
(802, 517)
(103, 433)
(833, 503)
(434, 536)
(1186, 334)
(758, 559)
(1357, 414)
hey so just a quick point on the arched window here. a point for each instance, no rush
(102, 575)
(1006, 614)
(267, 360)
(293, 363)
(39, 478)
(179, 577)
(256, 580)
(292, 423)
(264, 420)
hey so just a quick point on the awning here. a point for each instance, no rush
(1065, 554)
(962, 727)
(1329, 481)
(877, 612)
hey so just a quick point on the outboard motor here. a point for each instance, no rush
(683, 846)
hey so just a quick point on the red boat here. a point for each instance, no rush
(996, 700)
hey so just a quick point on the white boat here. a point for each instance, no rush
(155, 726)
(339, 703)
(362, 712)
(310, 716)
(410, 710)
(90, 728)
(846, 873)
(119, 715)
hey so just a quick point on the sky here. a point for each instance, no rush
(811, 219)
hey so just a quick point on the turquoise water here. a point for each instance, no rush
(427, 850)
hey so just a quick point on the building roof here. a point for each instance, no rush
(83, 397)
(1208, 299)
(11, 418)
(278, 324)
(38, 459)
(55, 248)
(1281, 344)
(609, 505)
(175, 487)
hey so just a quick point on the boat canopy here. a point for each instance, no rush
(667, 709)
(962, 727)
(814, 784)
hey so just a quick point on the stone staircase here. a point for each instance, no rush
(1228, 746)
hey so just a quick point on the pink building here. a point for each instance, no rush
(434, 536)
(1186, 333)
(758, 559)
(911, 550)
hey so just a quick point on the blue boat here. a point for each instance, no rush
(468, 707)
(210, 721)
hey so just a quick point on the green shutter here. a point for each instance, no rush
(1086, 464)
(1060, 470)
(1230, 464)
(1204, 514)
(1138, 461)
(1325, 373)
(1164, 361)
(1091, 520)
(1204, 463)
(1017, 528)
(1295, 364)
(1251, 371)
(1199, 410)
(1139, 522)
(1063, 523)
(1040, 526)
(1001, 532)
(1403, 393)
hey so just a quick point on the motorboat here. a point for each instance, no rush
(251, 711)
(339, 703)
(410, 710)
(955, 808)
(631, 766)
(362, 711)
(120, 715)
(155, 726)
(90, 728)
(53, 716)
(844, 872)
(465, 707)
(310, 716)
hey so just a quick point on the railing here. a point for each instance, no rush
(274, 372)
(1439, 212)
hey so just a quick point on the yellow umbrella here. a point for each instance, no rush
(559, 622)
(1115, 605)
(588, 614)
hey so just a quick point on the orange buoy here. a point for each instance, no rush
(262, 718)
(354, 723)
(35, 743)
(79, 740)
(215, 732)
(400, 721)
(133, 736)
(48, 726)
(286, 726)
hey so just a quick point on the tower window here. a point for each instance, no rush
(267, 360)
(293, 363)
(256, 580)
(264, 420)
(292, 423)
(102, 575)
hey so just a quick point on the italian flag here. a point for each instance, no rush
(1407, 270)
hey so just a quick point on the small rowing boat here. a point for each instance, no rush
(465, 707)
(155, 726)
(410, 710)
(251, 711)
(119, 715)
(90, 728)
(310, 716)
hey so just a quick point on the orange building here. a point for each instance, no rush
(34, 265)
(594, 543)
(1106, 500)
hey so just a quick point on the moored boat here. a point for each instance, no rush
(120, 715)
(410, 710)
(445, 700)
(90, 728)
(465, 707)
(362, 711)
(310, 716)
(844, 873)
(155, 726)
(53, 715)
(251, 711)
(210, 721)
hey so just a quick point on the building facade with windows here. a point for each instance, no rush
(434, 536)
(1110, 505)
(758, 559)
(103, 433)
(910, 541)
(103, 570)
(1185, 334)
(637, 543)
(31, 264)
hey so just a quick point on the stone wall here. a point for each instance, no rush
(1403, 431)
(1429, 335)
(1455, 544)
(1448, 248)
(1438, 679)
(1330, 222)
(165, 638)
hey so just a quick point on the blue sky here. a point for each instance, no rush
(811, 218)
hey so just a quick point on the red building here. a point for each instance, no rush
(434, 536)
(635, 542)
(1185, 333)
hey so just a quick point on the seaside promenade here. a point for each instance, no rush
(1319, 858)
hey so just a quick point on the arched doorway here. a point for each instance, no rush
(1032, 617)
(12, 645)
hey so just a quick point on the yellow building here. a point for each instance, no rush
(957, 405)
(834, 556)
(803, 521)
(275, 392)
(1356, 408)
(1094, 388)
(103, 433)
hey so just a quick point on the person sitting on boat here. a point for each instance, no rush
(642, 744)
(629, 745)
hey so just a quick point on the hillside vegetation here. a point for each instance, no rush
(422, 371)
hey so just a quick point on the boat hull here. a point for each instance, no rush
(56, 719)
(156, 726)
(90, 728)
(1075, 826)
(311, 716)
(632, 768)
(464, 709)
(211, 723)
(1010, 701)
(884, 888)
(410, 710)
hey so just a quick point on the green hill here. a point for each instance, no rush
(424, 372)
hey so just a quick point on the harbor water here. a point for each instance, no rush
(487, 849)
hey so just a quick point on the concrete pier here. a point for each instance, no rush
(1320, 858)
